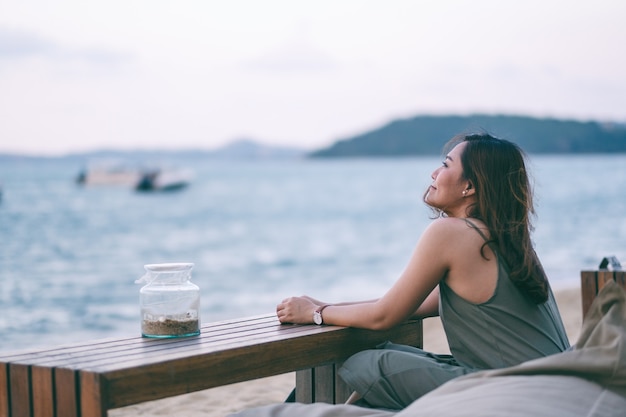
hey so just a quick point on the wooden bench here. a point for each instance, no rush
(87, 379)
(591, 282)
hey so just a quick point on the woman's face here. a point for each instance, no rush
(446, 192)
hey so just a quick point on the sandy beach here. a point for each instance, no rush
(218, 402)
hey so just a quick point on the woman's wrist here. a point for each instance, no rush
(317, 314)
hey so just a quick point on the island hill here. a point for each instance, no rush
(426, 135)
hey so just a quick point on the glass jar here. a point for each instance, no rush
(170, 302)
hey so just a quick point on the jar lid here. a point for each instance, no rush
(169, 267)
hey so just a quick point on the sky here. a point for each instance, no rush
(82, 75)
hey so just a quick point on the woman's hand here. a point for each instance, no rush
(298, 310)
(314, 301)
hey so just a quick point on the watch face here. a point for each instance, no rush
(317, 317)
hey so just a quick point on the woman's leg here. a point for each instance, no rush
(353, 398)
(395, 376)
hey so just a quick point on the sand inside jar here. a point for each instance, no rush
(169, 327)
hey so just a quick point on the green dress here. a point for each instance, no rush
(504, 331)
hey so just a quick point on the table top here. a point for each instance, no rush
(124, 371)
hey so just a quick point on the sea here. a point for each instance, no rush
(257, 231)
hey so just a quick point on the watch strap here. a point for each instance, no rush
(320, 309)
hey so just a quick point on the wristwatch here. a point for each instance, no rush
(317, 314)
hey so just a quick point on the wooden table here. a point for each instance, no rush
(89, 378)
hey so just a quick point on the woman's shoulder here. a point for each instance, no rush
(457, 229)
(451, 242)
(455, 224)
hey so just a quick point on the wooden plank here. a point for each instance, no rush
(589, 289)
(19, 378)
(67, 397)
(42, 391)
(342, 391)
(620, 278)
(604, 276)
(304, 386)
(5, 405)
(93, 403)
(324, 385)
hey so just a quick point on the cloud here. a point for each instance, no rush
(19, 45)
(15, 45)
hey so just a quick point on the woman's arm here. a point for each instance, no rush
(414, 292)
(345, 303)
(429, 308)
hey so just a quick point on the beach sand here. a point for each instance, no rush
(218, 402)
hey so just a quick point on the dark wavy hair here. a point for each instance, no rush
(496, 169)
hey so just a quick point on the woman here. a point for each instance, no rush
(474, 266)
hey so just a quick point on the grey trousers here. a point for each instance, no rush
(393, 376)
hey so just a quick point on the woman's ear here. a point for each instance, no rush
(469, 190)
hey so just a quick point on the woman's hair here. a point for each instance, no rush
(504, 202)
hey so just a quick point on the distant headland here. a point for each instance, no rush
(425, 135)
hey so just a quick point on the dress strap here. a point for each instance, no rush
(477, 229)
(491, 245)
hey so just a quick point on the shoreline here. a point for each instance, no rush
(220, 401)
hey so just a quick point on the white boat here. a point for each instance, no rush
(109, 174)
(163, 180)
